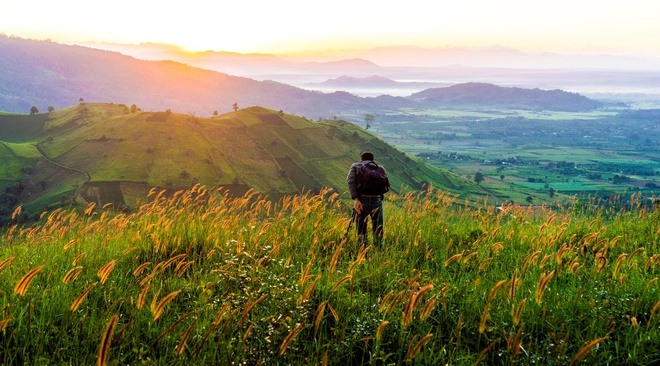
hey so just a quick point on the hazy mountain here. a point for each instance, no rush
(350, 81)
(244, 64)
(596, 75)
(373, 81)
(482, 94)
(42, 74)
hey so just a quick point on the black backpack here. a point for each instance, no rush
(372, 179)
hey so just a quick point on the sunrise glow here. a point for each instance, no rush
(298, 26)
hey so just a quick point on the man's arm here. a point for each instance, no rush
(351, 179)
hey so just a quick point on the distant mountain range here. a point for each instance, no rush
(379, 58)
(43, 74)
(481, 94)
(373, 82)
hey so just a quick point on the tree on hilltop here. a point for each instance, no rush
(51, 108)
(235, 106)
(34, 110)
(368, 120)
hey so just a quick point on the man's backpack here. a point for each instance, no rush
(372, 179)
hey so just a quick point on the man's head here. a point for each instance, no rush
(367, 155)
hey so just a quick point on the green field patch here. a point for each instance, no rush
(25, 150)
(300, 178)
(449, 113)
(485, 114)
(117, 160)
(299, 142)
(564, 116)
(238, 119)
(295, 121)
(248, 160)
(225, 173)
(321, 169)
(272, 143)
(272, 119)
(61, 195)
(628, 162)
(85, 113)
(18, 127)
(12, 165)
(325, 139)
(567, 187)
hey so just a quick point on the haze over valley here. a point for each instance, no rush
(413, 69)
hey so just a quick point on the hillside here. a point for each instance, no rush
(42, 74)
(483, 94)
(106, 154)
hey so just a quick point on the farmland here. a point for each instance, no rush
(539, 156)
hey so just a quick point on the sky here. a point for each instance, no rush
(303, 26)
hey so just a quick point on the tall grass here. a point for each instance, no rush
(200, 277)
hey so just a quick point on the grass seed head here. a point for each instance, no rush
(22, 285)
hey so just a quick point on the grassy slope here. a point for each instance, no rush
(272, 152)
(10, 169)
(21, 128)
(257, 282)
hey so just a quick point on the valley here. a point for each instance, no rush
(536, 157)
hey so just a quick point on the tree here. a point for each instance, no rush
(50, 108)
(215, 113)
(235, 106)
(368, 120)
(134, 108)
(81, 100)
(478, 177)
(34, 110)
(502, 177)
(551, 192)
(529, 199)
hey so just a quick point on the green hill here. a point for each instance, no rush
(103, 153)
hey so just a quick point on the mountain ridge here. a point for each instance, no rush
(485, 94)
(43, 73)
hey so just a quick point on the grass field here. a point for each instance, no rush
(24, 150)
(12, 162)
(201, 278)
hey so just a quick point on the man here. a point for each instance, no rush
(367, 182)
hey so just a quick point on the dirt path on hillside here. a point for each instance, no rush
(87, 176)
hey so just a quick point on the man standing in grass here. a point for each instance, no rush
(367, 183)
